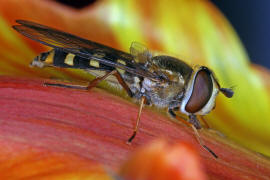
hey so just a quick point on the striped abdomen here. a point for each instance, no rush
(67, 60)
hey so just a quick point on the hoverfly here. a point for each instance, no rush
(163, 81)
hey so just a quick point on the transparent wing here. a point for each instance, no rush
(81, 47)
(140, 53)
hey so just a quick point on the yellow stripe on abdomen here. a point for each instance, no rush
(94, 63)
(69, 60)
(50, 57)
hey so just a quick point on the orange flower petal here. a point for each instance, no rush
(24, 161)
(161, 161)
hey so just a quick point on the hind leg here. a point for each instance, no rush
(92, 84)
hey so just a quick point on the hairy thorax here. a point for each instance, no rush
(160, 93)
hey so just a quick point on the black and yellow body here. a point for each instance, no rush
(162, 81)
(63, 59)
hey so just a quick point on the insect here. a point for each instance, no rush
(162, 81)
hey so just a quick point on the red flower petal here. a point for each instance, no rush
(95, 125)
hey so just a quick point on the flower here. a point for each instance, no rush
(162, 161)
(60, 132)
(194, 31)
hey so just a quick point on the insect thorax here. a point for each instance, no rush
(164, 93)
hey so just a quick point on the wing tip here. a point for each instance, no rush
(19, 21)
(16, 27)
(26, 22)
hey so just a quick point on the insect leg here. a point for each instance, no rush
(201, 141)
(65, 86)
(123, 84)
(92, 84)
(137, 120)
(205, 122)
(179, 118)
(97, 80)
(193, 122)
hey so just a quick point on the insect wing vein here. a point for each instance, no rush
(84, 48)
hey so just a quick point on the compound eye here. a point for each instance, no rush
(201, 93)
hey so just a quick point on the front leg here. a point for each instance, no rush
(193, 120)
(194, 124)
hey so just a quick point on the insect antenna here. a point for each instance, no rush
(228, 92)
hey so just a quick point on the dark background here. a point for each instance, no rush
(251, 20)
